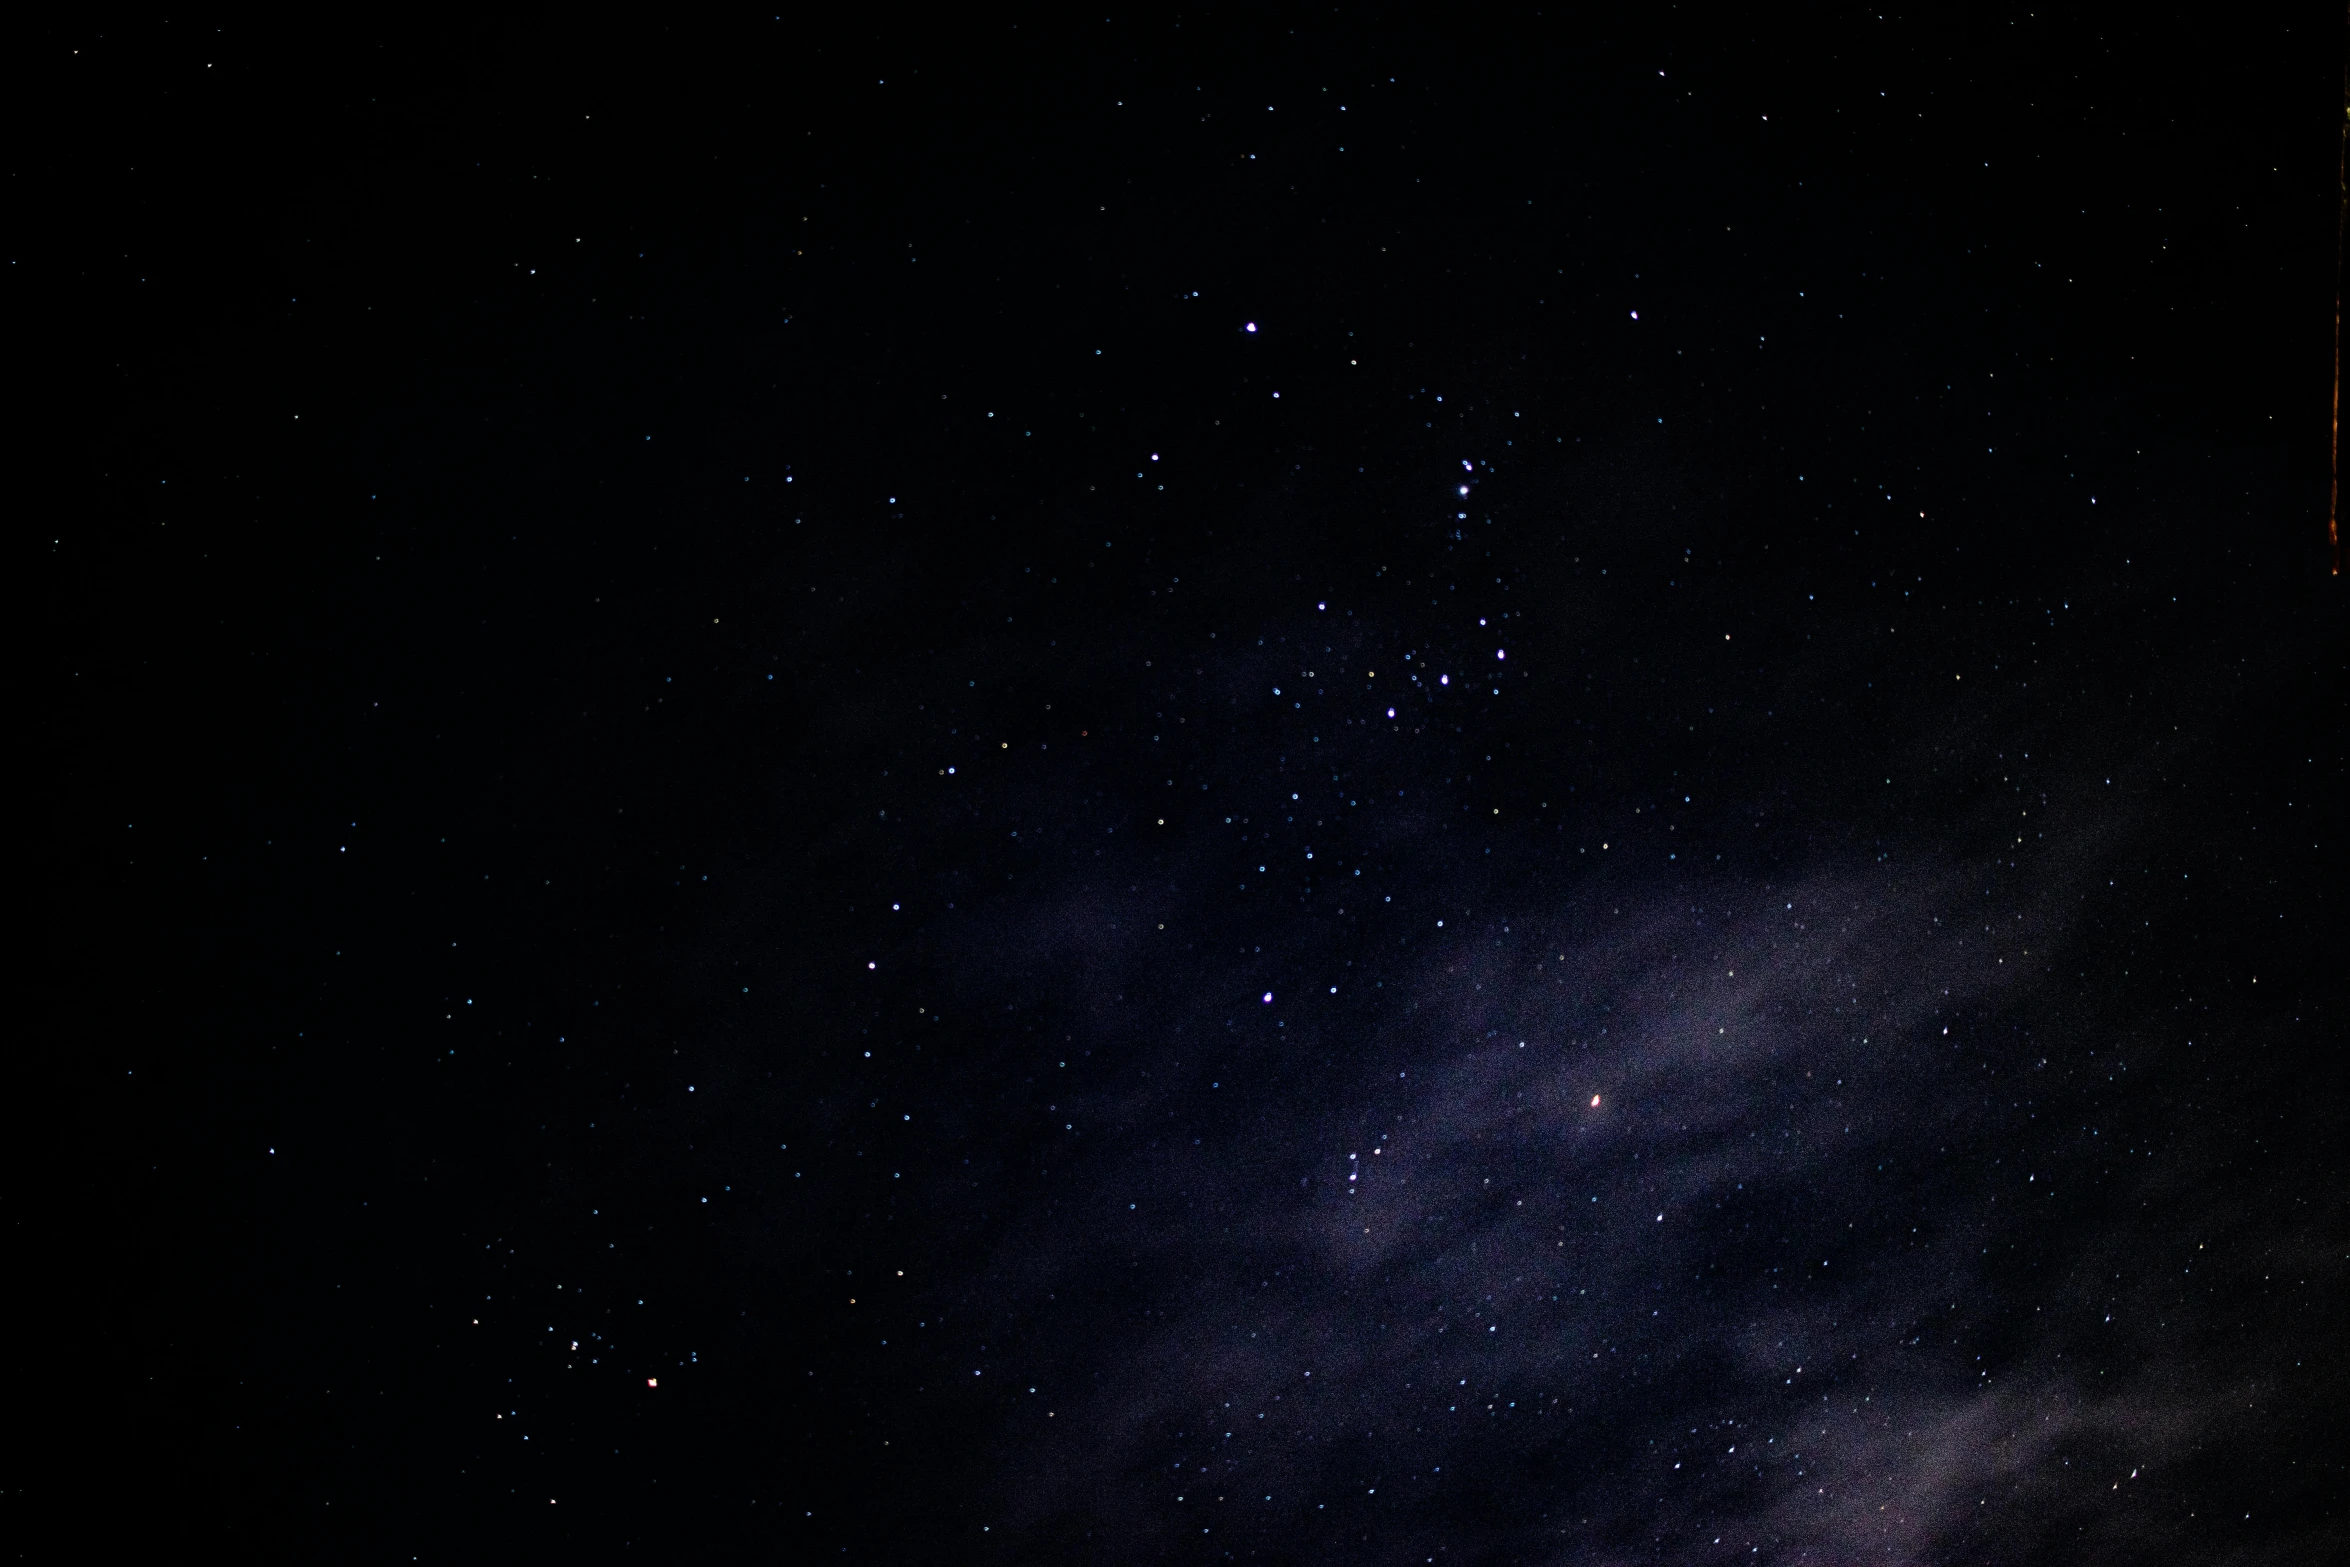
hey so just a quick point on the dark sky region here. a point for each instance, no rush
(1342, 785)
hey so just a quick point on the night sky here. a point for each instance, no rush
(1191, 786)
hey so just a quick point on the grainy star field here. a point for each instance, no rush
(1194, 786)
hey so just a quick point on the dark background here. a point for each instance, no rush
(544, 494)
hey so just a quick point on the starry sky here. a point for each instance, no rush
(1200, 785)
